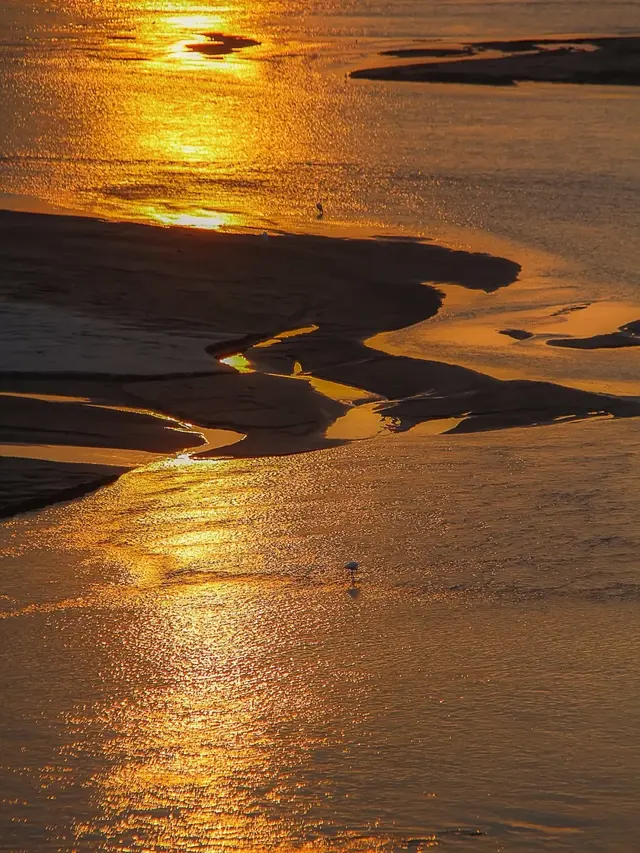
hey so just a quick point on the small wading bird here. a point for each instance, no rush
(352, 567)
(320, 210)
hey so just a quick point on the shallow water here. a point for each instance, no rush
(107, 110)
(191, 670)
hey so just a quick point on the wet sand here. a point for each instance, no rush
(598, 60)
(29, 484)
(299, 308)
(417, 390)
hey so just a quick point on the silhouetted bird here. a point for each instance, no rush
(352, 567)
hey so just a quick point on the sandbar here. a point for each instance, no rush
(626, 336)
(297, 308)
(221, 44)
(596, 60)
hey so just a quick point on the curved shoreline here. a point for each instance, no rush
(91, 481)
(175, 281)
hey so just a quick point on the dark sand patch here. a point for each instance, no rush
(29, 484)
(561, 312)
(418, 390)
(632, 328)
(277, 414)
(238, 287)
(23, 419)
(248, 290)
(604, 60)
(435, 52)
(615, 340)
(220, 44)
(516, 334)
(228, 284)
(626, 336)
(515, 403)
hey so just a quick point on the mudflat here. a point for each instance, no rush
(140, 338)
(601, 60)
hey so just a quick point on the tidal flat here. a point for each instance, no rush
(262, 320)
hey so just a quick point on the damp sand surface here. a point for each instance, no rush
(189, 331)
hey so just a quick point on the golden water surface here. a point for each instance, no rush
(191, 668)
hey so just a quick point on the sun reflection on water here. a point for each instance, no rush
(231, 695)
(175, 521)
(197, 22)
(187, 38)
(196, 762)
(182, 115)
(239, 362)
(204, 219)
(214, 750)
(185, 116)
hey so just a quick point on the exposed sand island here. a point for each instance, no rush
(603, 60)
(118, 336)
(626, 336)
(220, 44)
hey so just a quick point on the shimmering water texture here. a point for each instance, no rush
(191, 669)
(177, 112)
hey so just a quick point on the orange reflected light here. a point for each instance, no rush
(189, 126)
(230, 63)
(185, 521)
(239, 362)
(198, 23)
(194, 29)
(206, 219)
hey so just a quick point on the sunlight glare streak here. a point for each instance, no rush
(206, 220)
(239, 362)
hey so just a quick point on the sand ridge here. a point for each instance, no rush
(239, 291)
(595, 60)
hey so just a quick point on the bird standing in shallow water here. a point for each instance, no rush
(352, 567)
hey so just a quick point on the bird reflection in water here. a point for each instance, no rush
(354, 590)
